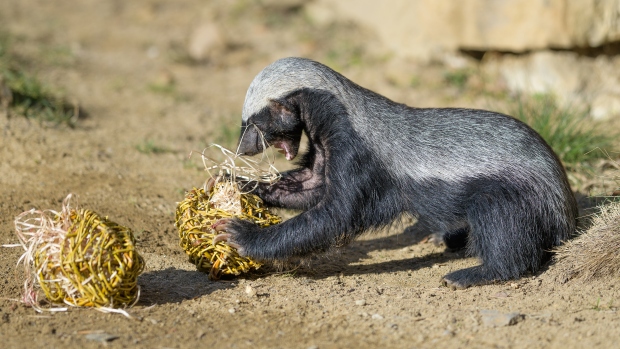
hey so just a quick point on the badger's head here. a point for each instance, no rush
(272, 114)
(277, 124)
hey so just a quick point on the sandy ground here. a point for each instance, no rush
(125, 62)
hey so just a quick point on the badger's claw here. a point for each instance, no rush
(452, 284)
(226, 238)
(220, 225)
(221, 237)
(243, 235)
(464, 278)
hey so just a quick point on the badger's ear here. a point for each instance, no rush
(282, 111)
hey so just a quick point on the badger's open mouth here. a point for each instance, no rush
(286, 148)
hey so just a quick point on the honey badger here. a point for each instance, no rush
(482, 180)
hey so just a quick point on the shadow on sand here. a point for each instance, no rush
(345, 261)
(173, 285)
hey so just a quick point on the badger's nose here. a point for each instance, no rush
(250, 142)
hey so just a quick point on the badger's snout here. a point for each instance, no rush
(250, 141)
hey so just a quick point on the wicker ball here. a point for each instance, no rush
(80, 258)
(198, 211)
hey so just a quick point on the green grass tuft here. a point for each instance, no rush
(30, 97)
(34, 100)
(574, 137)
(457, 78)
(148, 146)
(162, 88)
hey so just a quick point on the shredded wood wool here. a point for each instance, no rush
(78, 258)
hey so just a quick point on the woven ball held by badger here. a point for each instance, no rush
(78, 258)
(226, 194)
(199, 210)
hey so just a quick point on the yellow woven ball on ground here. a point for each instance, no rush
(80, 258)
(199, 210)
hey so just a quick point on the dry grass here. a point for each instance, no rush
(599, 178)
(594, 254)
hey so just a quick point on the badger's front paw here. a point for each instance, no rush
(238, 233)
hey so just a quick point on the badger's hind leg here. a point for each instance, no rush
(457, 239)
(508, 237)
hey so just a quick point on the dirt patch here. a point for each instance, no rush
(149, 103)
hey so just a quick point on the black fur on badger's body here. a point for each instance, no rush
(369, 160)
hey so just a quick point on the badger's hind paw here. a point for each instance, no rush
(453, 285)
(464, 278)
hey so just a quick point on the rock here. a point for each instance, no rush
(250, 291)
(448, 333)
(501, 294)
(426, 29)
(377, 317)
(205, 41)
(605, 105)
(575, 81)
(429, 30)
(101, 337)
(541, 72)
(494, 318)
(360, 302)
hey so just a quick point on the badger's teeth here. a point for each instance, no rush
(285, 148)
